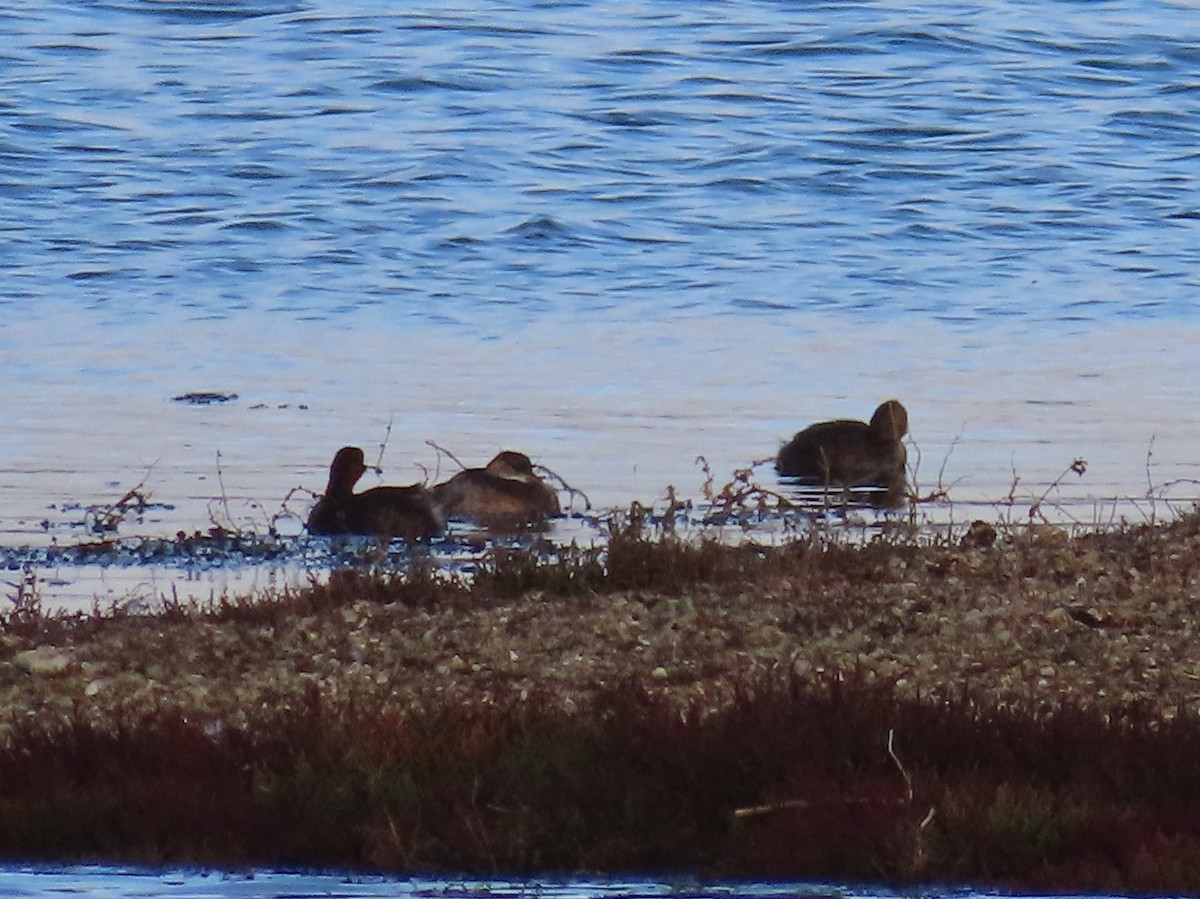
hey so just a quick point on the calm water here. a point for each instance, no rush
(617, 237)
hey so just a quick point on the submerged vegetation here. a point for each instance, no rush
(1005, 704)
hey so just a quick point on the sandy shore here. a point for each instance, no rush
(1037, 617)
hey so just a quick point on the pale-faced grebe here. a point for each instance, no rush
(506, 492)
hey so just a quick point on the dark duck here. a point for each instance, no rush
(848, 453)
(407, 512)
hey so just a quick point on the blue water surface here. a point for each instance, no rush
(119, 883)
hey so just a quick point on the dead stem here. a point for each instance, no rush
(442, 451)
(572, 492)
(387, 435)
(741, 495)
(110, 517)
(1079, 467)
(224, 495)
(940, 492)
(892, 752)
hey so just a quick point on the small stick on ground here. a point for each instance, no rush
(754, 811)
(770, 808)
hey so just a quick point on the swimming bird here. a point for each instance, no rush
(407, 512)
(851, 453)
(505, 492)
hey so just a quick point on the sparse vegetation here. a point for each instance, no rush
(1004, 704)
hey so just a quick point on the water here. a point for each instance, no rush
(115, 883)
(617, 238)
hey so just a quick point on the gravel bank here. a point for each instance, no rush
(1037, 617)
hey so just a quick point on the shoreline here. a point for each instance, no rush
(1030, 633)
(1101, 620)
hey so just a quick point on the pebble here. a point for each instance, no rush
(1006, 639)
(44, 660)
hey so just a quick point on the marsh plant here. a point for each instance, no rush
(840, 780)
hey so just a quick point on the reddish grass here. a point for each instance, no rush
(1062, 800)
